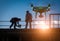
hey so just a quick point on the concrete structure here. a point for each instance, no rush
(29, 35)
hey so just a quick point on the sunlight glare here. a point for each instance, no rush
(42, 25)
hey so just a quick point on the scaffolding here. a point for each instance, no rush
(54, 20)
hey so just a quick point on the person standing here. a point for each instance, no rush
(28, 19)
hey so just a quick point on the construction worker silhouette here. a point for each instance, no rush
(28, 19)
(15, 22)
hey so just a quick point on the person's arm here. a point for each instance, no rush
(18, 23)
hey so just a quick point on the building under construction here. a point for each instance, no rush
(51, 34)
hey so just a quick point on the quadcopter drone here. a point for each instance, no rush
(40, 9)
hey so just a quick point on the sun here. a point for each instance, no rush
(41, 25)
(44, 25)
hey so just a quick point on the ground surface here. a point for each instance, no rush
(29, 35)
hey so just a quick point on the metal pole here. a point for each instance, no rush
(45, 17)
(58, 21)
(50, 20)
(53, 20)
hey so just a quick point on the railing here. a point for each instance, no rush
(34, 23)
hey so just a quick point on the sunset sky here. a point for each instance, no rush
(18, 8)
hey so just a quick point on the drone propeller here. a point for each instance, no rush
(49, 5)
(31, 5)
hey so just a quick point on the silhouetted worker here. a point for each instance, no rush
(28, 19)
(14, 22)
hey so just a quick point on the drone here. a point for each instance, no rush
(40, 9)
